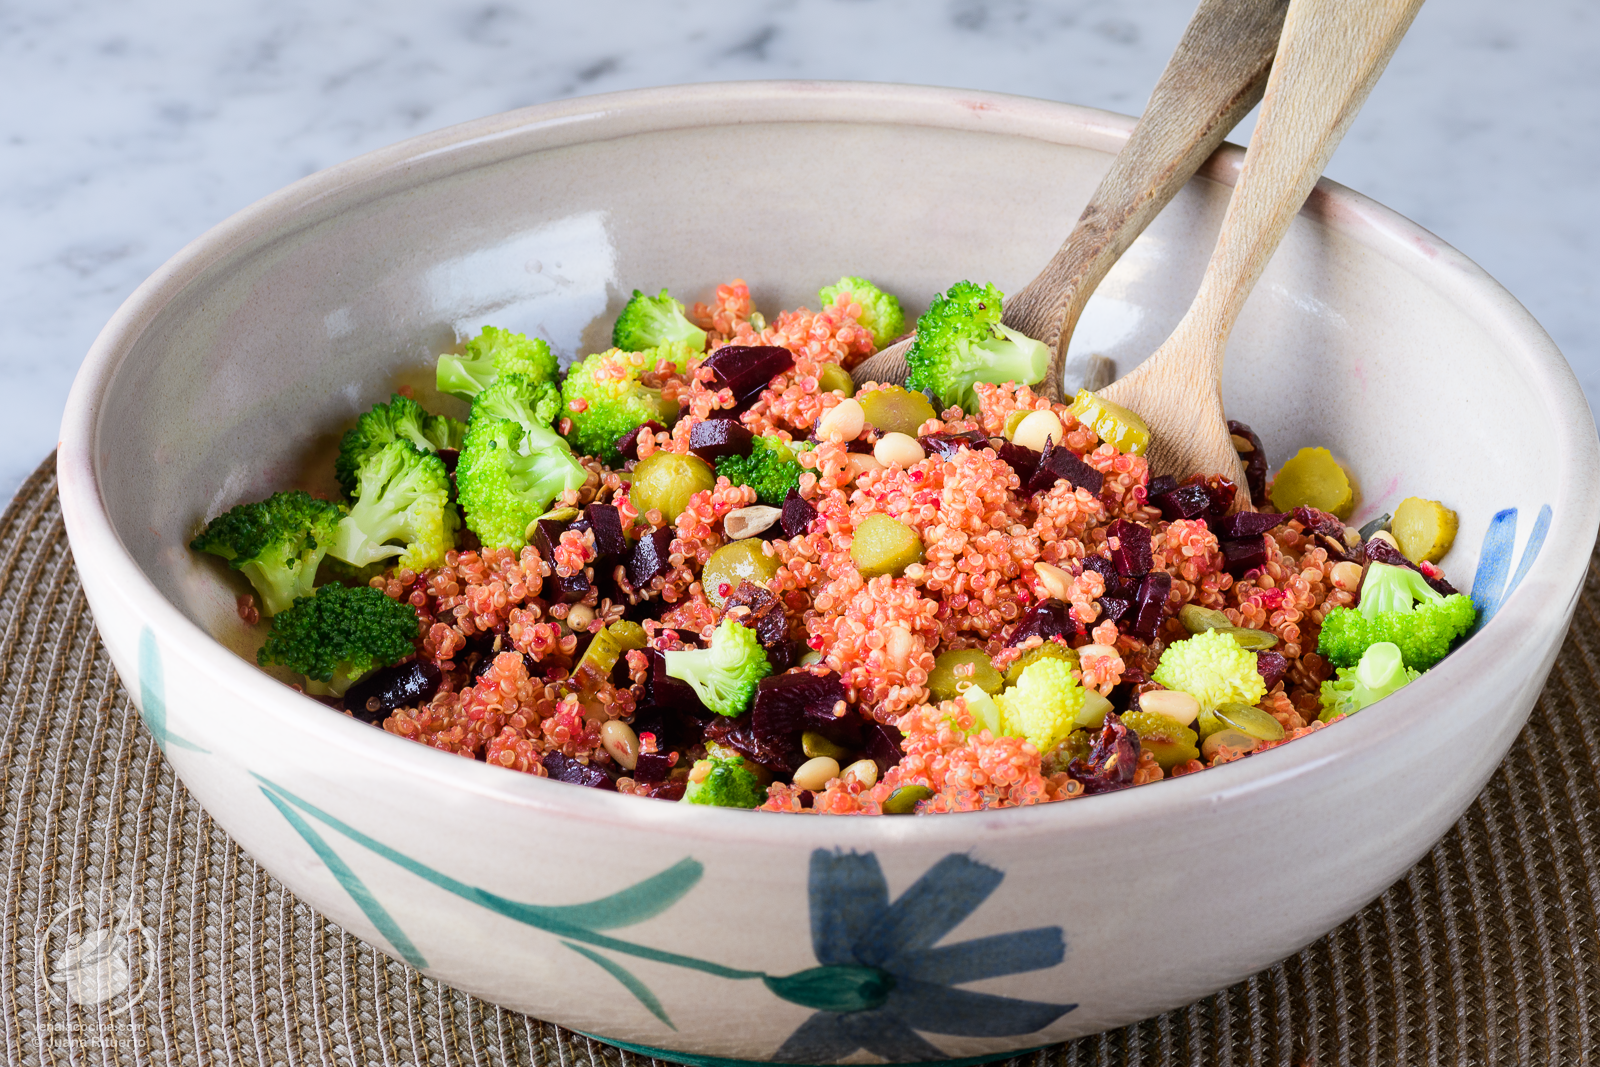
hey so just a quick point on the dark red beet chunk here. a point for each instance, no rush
(883, 746)
(786, 704)
(1114, 607)
(1131, 553)
(1242, 524)
(653, 767)
(1240, 557)
(606, 522)
(546, 535)
(563, 769)
(1046, 619)
(1161, 483)
(1111, 761)
(944, 445)
(628, 443)
(1145, 617)
(674, 692)
(1061, 463)
(1271, 666)
(1184, 502)
(797, 514)
(1255, 460)
(747, 369)
(568, 590)
(649, 558)
(1021, 459)
(1222, 493)
(449, 456)
(405, 685)
(713, 439)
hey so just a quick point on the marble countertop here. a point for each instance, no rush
(130, 128)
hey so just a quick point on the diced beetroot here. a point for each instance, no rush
(1222, 493)
(675, 730)
(1272, 666)
(674, 692)
(945, 445)
(1021, 459)
(567, 590)
(649, 558)
(786, 704)
(1114, 607)
(628, 443)
(1161, 483)
(563, 769)
(1112, 760)
(653, 767)
(797, 514)
(1060, 462)
(1240, 557)
(883, 745)
(1145, 617)
(606, 522)
(670, 790)
(1046, 619)
(1131, 552)
(713, 439)
(747, 369)
(404, 685)
(1242, 524)
(1255, 460)
(449, 456)
(1183, 502)
(546, 535)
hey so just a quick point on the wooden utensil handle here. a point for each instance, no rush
(1214, 78)
(1330, 56)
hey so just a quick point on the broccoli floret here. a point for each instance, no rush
(606, 401)
(1397, 606)
(340, 635)
(401, 419)
(724, 783)
(490, 354)
(1043, 704)
(724, 676)
(276, 543)
(653, 321)
(770, 469)
(532, 403)
(402, 495)
(1212, 668)
(1381, 671)
(880, 311)
(960, 341)
(507, 476)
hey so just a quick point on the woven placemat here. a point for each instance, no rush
(1484, 953)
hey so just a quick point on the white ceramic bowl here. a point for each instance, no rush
(712, 933)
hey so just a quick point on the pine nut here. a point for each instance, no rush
(1056, 582)
(741, 523)
(1096, 650)
(1346, 576)
(843, 422)
(1385, 535)
(898, 644)
(623, 744)
(814, 774)
(1032, 431)
(1179, 707)
(898, 450)
(862, 462)
(864, 771)
(579, 616)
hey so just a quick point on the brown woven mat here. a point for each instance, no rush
(1483, 954)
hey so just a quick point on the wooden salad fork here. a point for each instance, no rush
(1330, 56)
(1213, 79)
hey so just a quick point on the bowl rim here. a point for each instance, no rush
(494, 139)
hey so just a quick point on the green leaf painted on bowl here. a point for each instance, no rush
(837, 989)
(153, 698)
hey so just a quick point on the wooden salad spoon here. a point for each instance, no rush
(1331, 54)
(1213, 79)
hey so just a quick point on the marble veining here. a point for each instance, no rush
(128, 129)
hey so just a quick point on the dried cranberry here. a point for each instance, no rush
(404, 685)
(1145, 618)
(797, 514)
(1111, 762)
(1255, 460)
(652, 767)
(1023, 460)
(672, 789)
(779, 754)
(1241, 557)
(1222, 493)
(1061, 463)
(1242, 524)
(714, 438)
(1319, 521)
(606, 522)
(764, 614)
(883, 745)
(649, 560)
(747, 369)
(945, 444)
(1271, 666)
(1047, 619)
(1132, 552)
(628, 443)
(564, 769)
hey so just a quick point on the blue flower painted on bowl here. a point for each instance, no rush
(882, 977)
(1490, 587)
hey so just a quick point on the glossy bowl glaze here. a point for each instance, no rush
(705, 933)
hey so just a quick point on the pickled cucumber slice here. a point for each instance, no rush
(835, 379)
(607, 646)
(667, 480)
(1425, 529)
(1092, 716)
(944, 683)
(1048, 650)
(1168, 740)
(893, 409)
(1115, 424)
(884, 546)
(733, 563)
(1313, 478)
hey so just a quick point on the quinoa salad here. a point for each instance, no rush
(705, 566)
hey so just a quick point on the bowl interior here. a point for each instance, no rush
(1363, 335)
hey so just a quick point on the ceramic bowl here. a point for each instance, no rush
(703, 933)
